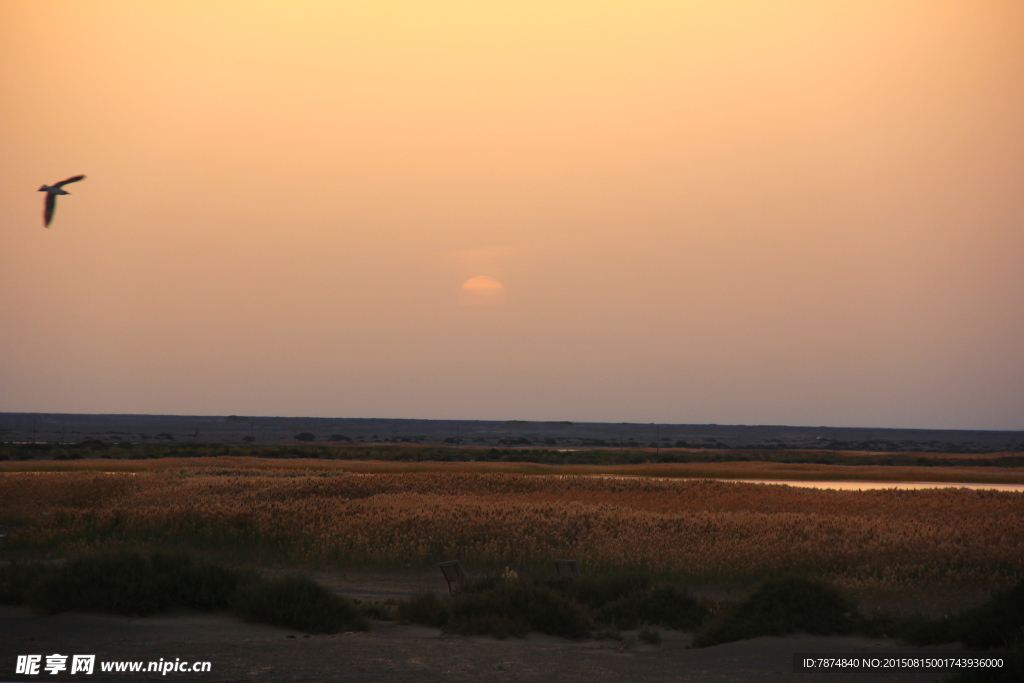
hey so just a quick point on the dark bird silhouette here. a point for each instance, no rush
(51, 196)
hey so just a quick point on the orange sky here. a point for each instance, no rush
(783, 212)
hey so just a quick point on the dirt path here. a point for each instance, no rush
(391, 651)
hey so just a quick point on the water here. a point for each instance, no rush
(872, 485)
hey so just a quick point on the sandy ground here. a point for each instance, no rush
(392, 651)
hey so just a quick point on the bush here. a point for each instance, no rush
(134, 584)
(562, 607)
(597, 591)
(666, 606)
(374, 610)
(297, 603)
(623, 601)
(423, 608)
(607, 633)
(305, 436)
(513, 608)
(200, 586)
(649, 635)
(997, 623)
(16, 581)
(782, 607)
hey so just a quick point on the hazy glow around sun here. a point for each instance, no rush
(482, 291)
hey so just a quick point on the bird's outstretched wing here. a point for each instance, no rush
(72, 179)
(51, 204)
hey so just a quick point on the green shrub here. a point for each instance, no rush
(118, 584)
(563, 607)
(649, 635)
(16, 581)
(597, 591)
(515, 607)
(200, 586)
(782, 607)
(423, 608)
(134, 584)
(666, 606)
(373, 610)
(604, 633)
(131, 584)
(997, 623)
(297, 603)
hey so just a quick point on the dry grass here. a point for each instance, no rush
(694, 529)
(724, 470)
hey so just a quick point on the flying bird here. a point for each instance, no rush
(51, 196)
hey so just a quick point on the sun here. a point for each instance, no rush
(481, 291)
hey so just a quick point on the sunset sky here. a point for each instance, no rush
(737, 212)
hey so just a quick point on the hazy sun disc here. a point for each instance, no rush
(482, 291)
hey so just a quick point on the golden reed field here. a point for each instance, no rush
(301, 512)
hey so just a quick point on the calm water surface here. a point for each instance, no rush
(870, 485)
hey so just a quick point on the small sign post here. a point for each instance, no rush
(453, 573)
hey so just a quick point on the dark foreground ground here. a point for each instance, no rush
(70, 428)
(392, 651)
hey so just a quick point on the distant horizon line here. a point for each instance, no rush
(512, 421)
